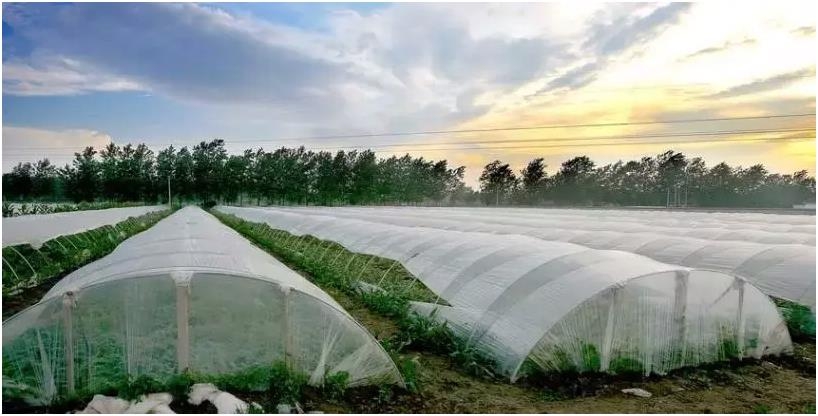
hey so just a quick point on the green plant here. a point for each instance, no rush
(761, 409)
(626, 365)
(335, 385)
(285, 385)
(591, 360)
(179, 385)
(133, 388)
(800, 319)
(25, 266)
(549, 395)
(409, 369)
(385, 304)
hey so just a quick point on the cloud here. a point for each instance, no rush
(58, 76)
(365, 71)
(611, 33)
(804, 31)
(574, 78)
(29, 144)
(765, 84)
(723, 47)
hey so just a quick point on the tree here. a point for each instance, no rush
(497, 180)
(20, 180)
(83, 176)
(208, 164)
(44, 181)
(533, 180)
(166, 170)
(574, 182)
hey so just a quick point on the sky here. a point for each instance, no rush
(272, 75)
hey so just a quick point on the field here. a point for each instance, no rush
(444, 371)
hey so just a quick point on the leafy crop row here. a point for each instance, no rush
(25, 267)
(14, 210)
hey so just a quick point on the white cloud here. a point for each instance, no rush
(25, 144)
(58, 76)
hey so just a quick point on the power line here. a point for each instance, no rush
(587, 138)
(676, 142)
(516, 128)
(645, 136)
(761, 139)
(556, 126)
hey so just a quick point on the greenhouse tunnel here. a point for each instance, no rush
(730, 229)
(37, 229)
(187, 294)
(783, 270)
(561, 306)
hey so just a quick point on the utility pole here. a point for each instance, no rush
(170, 205)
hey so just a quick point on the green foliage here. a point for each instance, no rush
(285, 386)
(421, 333)
(385, 304)
(549, 395)
(626, 365)
(301, 176)
(133, 388)
(208, 204)
(25, 266)
(591, 360)
(335, 385)
(800, 319)
(179, 385)
(409, 369)
(762, 409)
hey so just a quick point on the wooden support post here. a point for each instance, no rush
(287, 335)
(740, 320)
(68, 324)
(607, 342)
(680, 313)
(182, 325)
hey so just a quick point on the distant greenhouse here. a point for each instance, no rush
(37, 229)
(187, 294)
(778, 267)
(554, 306)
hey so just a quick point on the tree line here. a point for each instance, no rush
(207, 173)
(299, 176)
(668, 179)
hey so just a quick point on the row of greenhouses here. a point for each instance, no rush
(191, 294)
(783, 269)
(37, 229)
(522, 299)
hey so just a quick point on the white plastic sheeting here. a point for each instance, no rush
(188, 293)
(779, 229)
(37, 229)
(563, 306)
(779, 269)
